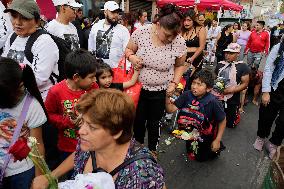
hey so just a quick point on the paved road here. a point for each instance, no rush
(238, 167)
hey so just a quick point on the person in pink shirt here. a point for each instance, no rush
(257, 45)
(242, 38)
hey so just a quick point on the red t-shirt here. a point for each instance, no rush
(59, 101)
(258, 42)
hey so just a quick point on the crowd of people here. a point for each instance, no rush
(83, 120)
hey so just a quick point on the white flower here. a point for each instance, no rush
(32, 141)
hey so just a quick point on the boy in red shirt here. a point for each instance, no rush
(258, 45)
(80, 69)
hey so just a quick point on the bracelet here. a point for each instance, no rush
(176, 84)
(128, 53)
(129, 57)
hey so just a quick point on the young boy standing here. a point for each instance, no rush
(236, 75)
(202, 116)
(62, 26)
(60, 103)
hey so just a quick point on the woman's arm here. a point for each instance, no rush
(130, 54)
(179, 69)
(41, 182)
(37, 133)
(202, 43)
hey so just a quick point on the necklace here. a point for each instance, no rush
(187, 34)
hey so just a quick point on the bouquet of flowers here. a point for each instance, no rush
(99, 180)
(24, 148)
(219, 87)
(193, 136)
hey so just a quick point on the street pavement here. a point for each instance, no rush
(239, 166)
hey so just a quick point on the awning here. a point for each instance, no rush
(47, 8)
(204, 4)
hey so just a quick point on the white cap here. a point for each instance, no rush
(111, 6)
(233, 47)
(71, 3)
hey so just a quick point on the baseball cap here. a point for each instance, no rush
(27, 8)
(71, 3)
(111, 6)
(233, 47)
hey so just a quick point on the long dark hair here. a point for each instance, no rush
(11, 77)
(192, 15)
(226, 28)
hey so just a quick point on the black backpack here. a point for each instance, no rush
(63, 46)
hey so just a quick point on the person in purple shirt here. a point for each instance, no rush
(242, 38)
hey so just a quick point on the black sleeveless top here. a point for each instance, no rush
(224, 41)
(194, 42)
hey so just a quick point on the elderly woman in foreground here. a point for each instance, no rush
(106, 141)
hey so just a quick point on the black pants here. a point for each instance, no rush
(150, 110)
(274, 111)
(231, 114)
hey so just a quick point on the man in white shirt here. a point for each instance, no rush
(211, 39)
(5, 26)
(62, 26)
(25, 15)
(108, 39)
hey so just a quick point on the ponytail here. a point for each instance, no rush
(12, 75)
(29, 81)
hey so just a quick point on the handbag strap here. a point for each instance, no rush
(121, 166)
(17, 132)
(107, 32)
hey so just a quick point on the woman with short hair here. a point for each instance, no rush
(106, 142)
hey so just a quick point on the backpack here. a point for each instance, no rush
(64, 48)
(193, 120)
(193, 116)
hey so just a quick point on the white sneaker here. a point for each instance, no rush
(258, 144)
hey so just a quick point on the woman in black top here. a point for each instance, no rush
(223, 40)
(195, 37)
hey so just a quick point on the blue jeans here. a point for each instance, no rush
(19, 181)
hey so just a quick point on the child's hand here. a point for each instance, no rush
(215, 146)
